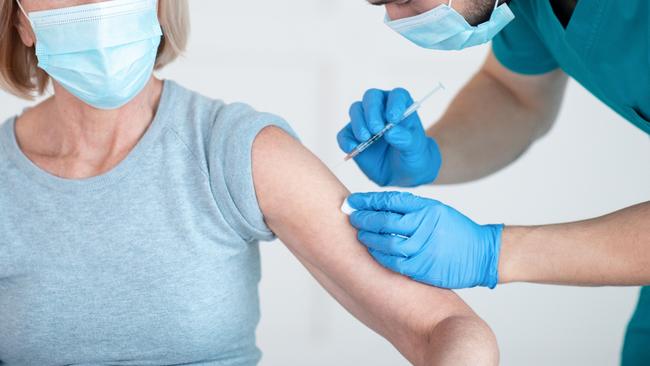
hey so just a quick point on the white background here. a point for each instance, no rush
(307, 61)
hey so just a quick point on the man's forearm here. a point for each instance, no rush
(494, 120)
(610, 250)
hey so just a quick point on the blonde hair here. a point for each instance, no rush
(20, 75)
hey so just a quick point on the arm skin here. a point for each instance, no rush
(610, 250)
(494, 120)
(301, 202)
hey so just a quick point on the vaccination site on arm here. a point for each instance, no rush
(425, 208)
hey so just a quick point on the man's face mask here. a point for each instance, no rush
(443, 28)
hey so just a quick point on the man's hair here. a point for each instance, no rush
(19, 74)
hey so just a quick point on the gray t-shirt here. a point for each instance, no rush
(153, 263)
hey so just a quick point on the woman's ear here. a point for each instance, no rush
(24, 29)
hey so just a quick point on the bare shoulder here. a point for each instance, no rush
(289, 178)
(274, 141)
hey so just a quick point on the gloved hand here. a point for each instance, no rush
(427, 240)
(405, 156)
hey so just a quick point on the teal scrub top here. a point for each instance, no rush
(606, 48)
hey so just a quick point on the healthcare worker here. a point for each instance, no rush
(512, 101)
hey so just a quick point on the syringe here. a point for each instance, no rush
(412, 109)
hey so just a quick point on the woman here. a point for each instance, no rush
(132, 207)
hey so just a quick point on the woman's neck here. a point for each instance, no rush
(70, 139)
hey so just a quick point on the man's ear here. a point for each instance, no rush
(24, 29)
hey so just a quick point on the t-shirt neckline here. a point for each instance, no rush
(117, 173)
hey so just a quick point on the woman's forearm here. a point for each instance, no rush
(455, 340)
(609, 250)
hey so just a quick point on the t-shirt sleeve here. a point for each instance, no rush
(519, 48)
(230, 167)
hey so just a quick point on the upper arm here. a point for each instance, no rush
(521, 61)
(535, 90)
(301, 200)
(542, 94)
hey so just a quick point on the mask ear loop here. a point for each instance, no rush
(20, 6)
(496, 4)
(451, 1)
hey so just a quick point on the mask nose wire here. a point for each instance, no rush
(20, 6)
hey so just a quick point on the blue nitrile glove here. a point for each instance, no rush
(405, 156)
(427, 240)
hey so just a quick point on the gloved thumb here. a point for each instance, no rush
(397, 202)
(401, 138)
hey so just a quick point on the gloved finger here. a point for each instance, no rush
(393, 263)
(374, 103)
(398, 101)
(385, 243)
(383, 222)
(400, 138)
(413, 122)
(346, 140)
(398, 202)
(358, 122)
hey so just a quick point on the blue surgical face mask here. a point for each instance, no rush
(103, 53)
(443, 28)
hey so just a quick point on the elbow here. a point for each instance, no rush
(460, 340)
(544, 125)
